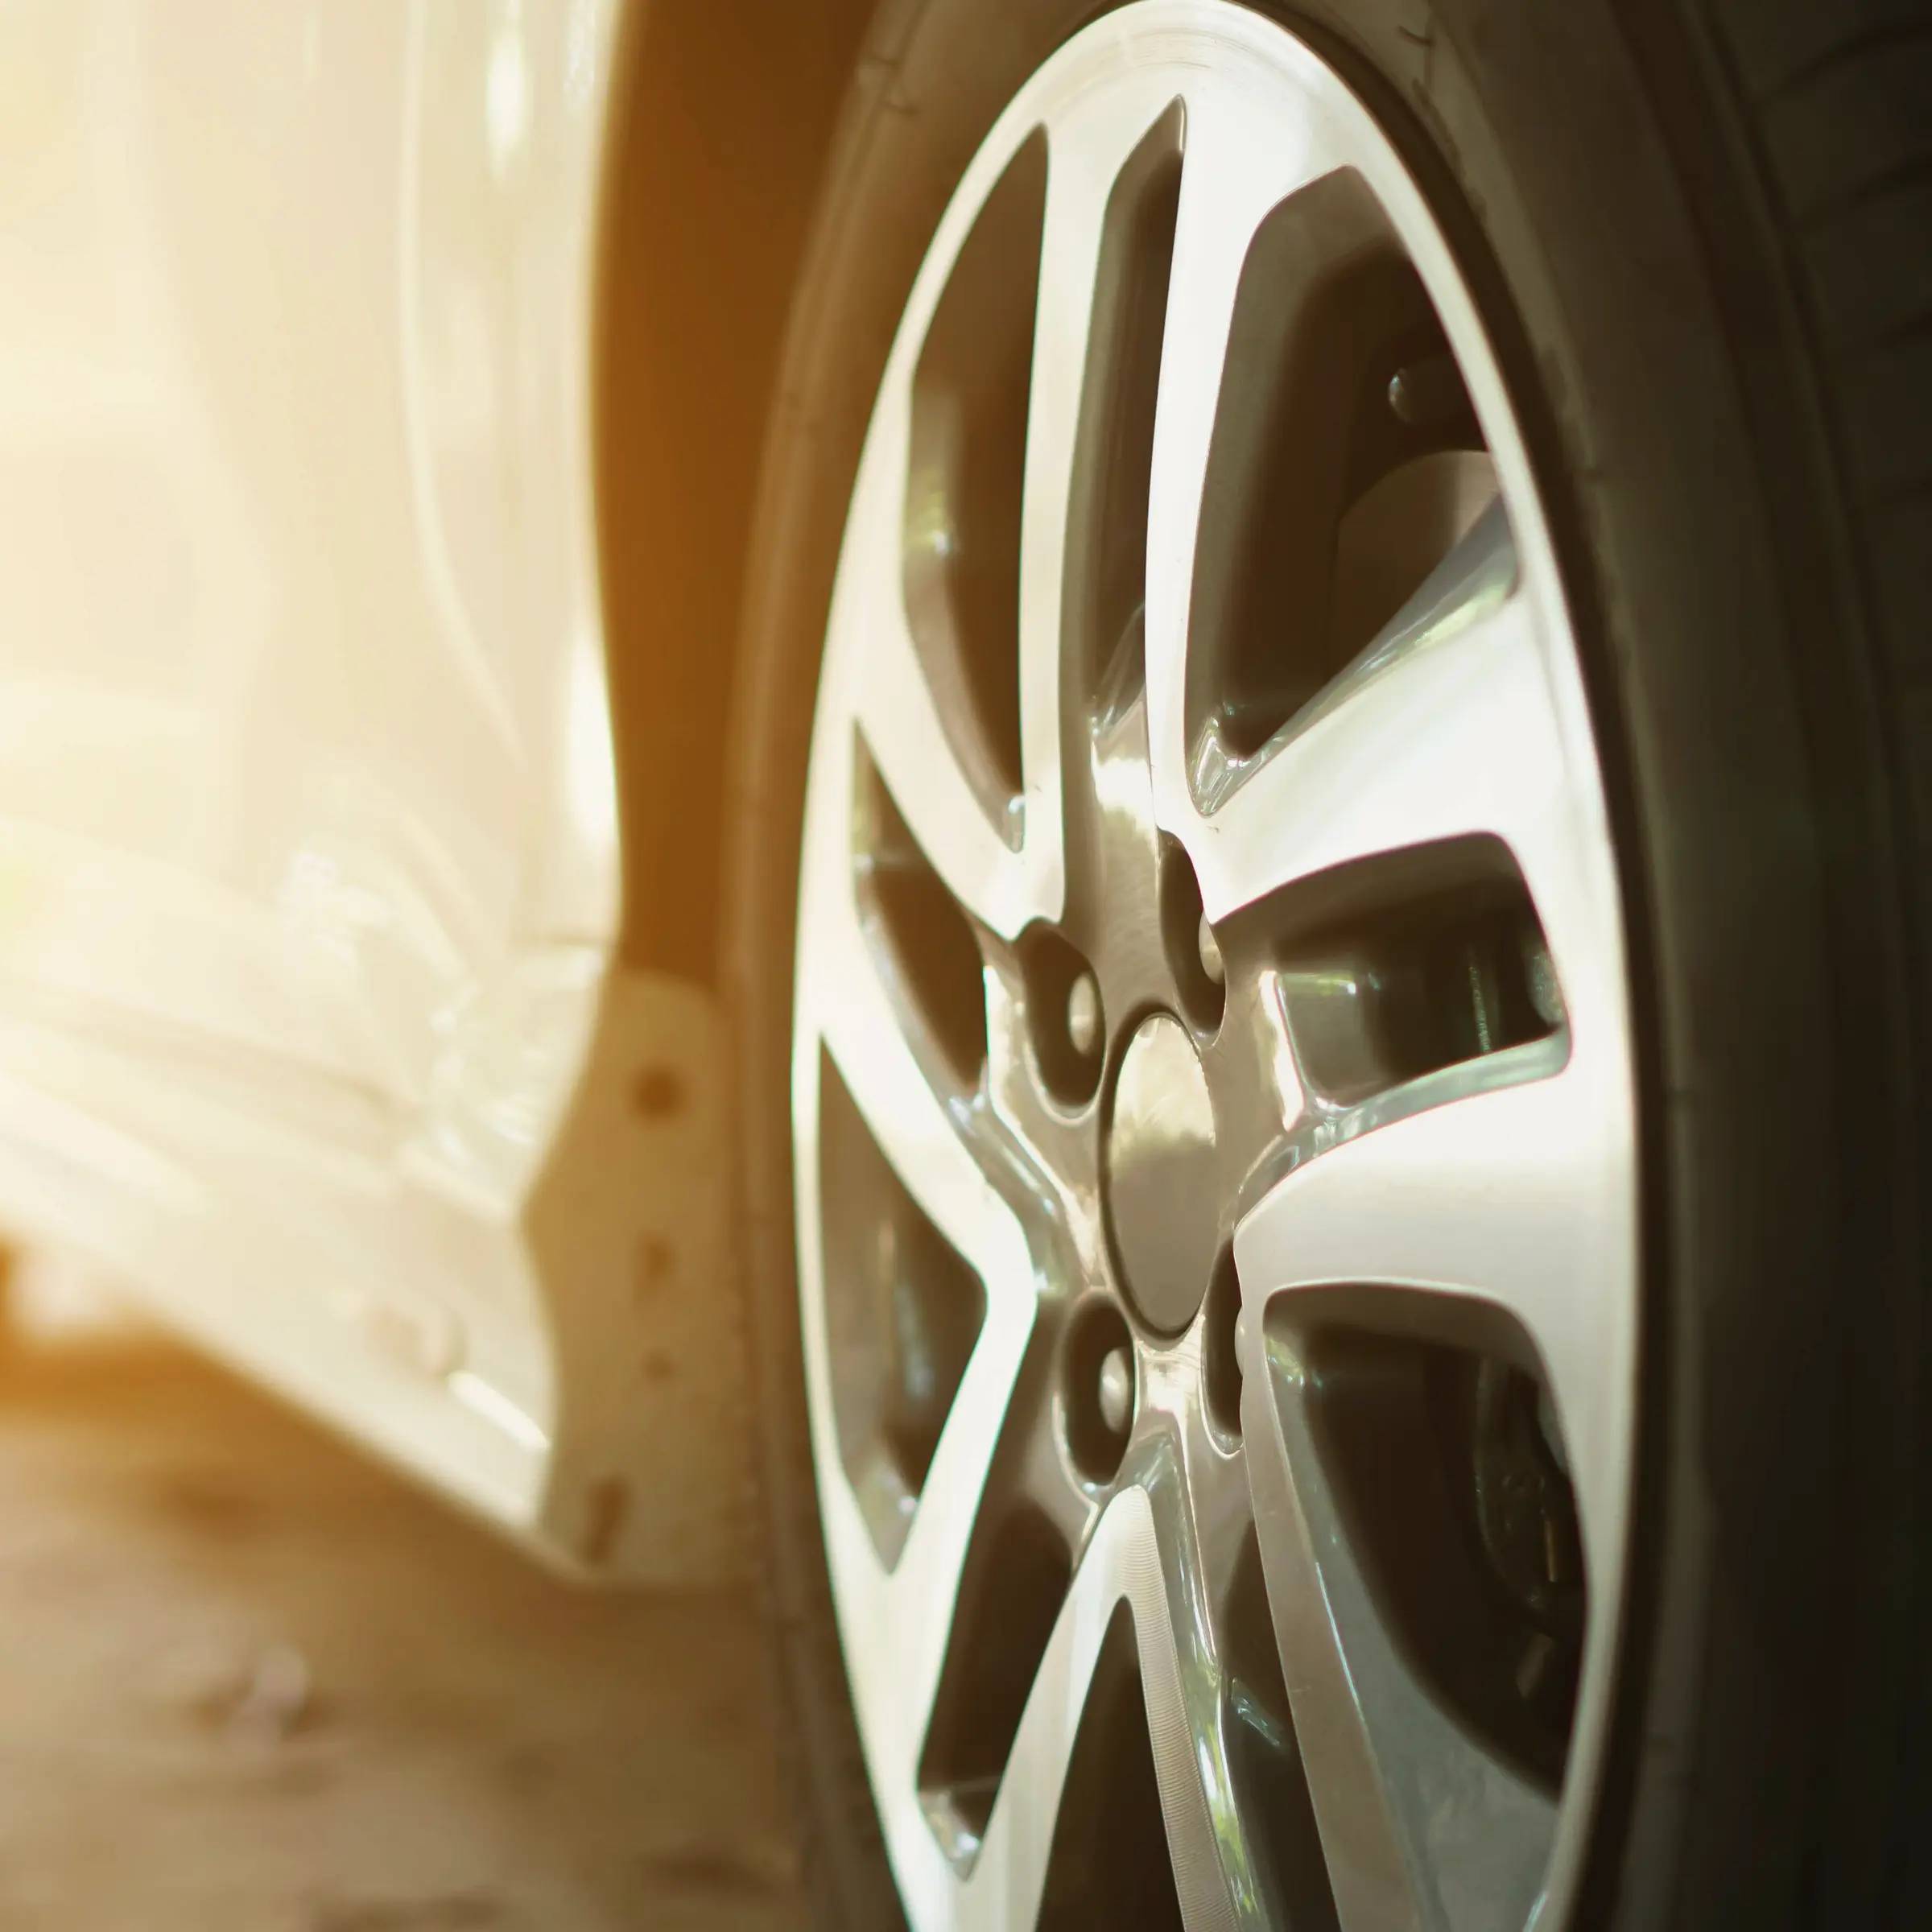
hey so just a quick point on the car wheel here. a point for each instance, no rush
(1322, 939)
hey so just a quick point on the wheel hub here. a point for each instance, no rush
(1161, 1180)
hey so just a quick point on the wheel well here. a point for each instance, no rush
(721, 118)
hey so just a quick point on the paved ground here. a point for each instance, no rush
(250, 1683)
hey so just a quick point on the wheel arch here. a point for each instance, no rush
(721, 118)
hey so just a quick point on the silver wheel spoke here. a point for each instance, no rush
(844, 1003)
(900, 1621)
(1084, 154)
(1190, 1693)
(1425, 1827)
(1148, 1551)
(1497, 1200)
(1439, 729)
(1238, 167)
(1124, 1562)
(1503, 1199)
(899, 714)
(1444, 729)
(844, 1000)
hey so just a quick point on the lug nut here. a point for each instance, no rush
(1211, 953)
(1116, 1390)
(1428, 393)
(1083, 1016)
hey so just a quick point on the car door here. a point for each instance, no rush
(307, 845)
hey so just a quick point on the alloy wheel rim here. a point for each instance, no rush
(1212, 1111)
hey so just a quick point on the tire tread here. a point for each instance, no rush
(1836, 99)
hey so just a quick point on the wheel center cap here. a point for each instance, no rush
(1162, 1181)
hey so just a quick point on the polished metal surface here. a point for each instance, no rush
(1083, 1016)
(1210, 949)
(1161, 1170)
(1464, 1191)
(1116, 1390)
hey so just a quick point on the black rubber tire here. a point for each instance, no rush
(1702, 233)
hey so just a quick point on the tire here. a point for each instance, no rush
(1701, 238)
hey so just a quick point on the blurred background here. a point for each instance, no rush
(254, 1683)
